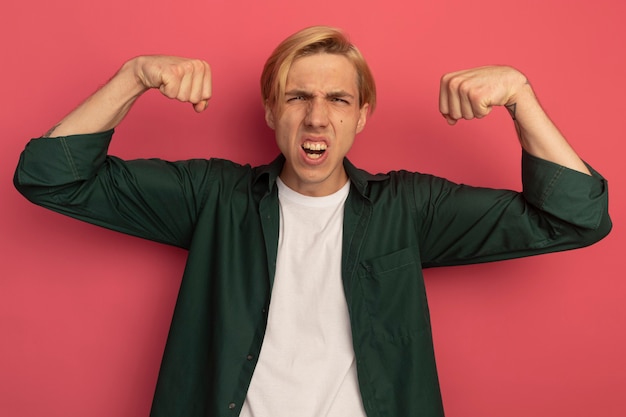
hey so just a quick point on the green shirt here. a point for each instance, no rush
(227, 216)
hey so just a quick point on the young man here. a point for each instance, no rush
(303, 293)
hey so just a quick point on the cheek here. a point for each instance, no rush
(285, 131)
(288, 121)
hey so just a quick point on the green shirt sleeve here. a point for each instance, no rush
(148, 198)
(559, 209)
(574, 197)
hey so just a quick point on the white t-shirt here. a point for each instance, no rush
(306, 367)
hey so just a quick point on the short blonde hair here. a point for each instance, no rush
(310, 41)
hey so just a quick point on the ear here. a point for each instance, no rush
(360, 125)
(269, 116)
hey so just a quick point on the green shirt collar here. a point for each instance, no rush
(359, 178)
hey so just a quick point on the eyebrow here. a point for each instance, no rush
(308, 94)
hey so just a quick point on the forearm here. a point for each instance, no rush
(538, 135)
(183, 79)
(106, 108)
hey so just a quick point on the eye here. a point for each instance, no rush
(296, 98)
(339, 100)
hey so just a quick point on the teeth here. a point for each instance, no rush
(314, 146)
(314, 155)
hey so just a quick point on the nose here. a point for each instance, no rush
(317, 113)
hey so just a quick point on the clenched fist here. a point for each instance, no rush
(183, 79)
(473, 93)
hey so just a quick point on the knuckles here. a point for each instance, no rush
(472, 93)
(190, 67)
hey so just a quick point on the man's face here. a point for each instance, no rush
(316, 121)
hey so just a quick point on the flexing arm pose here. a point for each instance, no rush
(473, 93)
(187, 80)
(317, 89)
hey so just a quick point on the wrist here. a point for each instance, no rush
(131, 76)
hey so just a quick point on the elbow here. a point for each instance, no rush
(605, 227)
(21, 186)
(35, 192)
(590, 236)
(32, 193)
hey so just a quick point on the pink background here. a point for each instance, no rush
(84, 312)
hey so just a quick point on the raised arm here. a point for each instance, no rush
(187, 80)
(73, 173)
(473, 93)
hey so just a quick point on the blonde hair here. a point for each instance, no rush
(310, 41)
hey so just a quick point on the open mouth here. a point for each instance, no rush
(314, 150)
